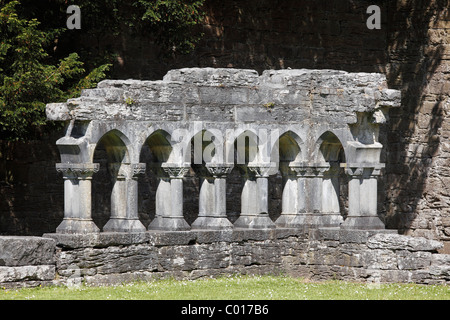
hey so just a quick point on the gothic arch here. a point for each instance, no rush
(157, 147)
(116, 145)
(112, 153)
(205, 146)
(289, 147)
(246, 147)
(329, 148)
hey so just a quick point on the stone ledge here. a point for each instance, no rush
(346, 235)
(168, 238)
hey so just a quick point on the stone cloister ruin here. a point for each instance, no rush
(308, 125)
(317, 130)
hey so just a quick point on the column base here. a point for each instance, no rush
(315, 220)
(169, 224)
(212, 223)
(73, 225)
(290, 220)
(252, 221)
(363, 223)
(330, 220)
(124, 225)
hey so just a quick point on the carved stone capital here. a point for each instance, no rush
(354, 171)
(219, 170)
(363, 170)
(312, 170)
(137, 169)
(261, 170)
(175, 171)
(77, 170)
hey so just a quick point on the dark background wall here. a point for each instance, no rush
(412, 48)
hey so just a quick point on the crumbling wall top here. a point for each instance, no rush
(317, 93)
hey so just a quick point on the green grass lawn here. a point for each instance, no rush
(234, 288)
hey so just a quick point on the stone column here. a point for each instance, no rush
(331, 214)
(171, 220)
(362, 196)
(163, 203)
(212, 199)
(77, 197)
(309, 193)
(124, 198)
(291, 199)
(254, 199)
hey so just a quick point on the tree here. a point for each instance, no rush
(39, 62)
(27, 80)
(172, 21)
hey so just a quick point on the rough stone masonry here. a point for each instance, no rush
(312, 127)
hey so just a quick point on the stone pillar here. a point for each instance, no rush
(309, 195)
(331, 213)
(124, 198)
(254, 198)
(291, 199)
(362, 196)
(212, 199)
(171, 220)
(163, 203)
(77, 197)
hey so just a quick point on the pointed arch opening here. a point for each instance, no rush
(203, 207)
(110, 152)
(335, 182)
(284, 188)
(154, 185)
(240, 180)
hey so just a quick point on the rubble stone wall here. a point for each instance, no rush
(320, 254)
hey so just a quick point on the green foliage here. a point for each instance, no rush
(39, 63)
(171, 22)
(27, 80)
(175, 19)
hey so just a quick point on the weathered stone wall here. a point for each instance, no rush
(322, 254)
(417, 153)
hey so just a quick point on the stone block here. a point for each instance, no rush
(408, 260)
(359, 236)
(57, 111)
(113, 259)
(26, 251)
(27, 273)
(440, 260)
(213, 76)
(401, 242)
(162, 238)
(381, 259)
